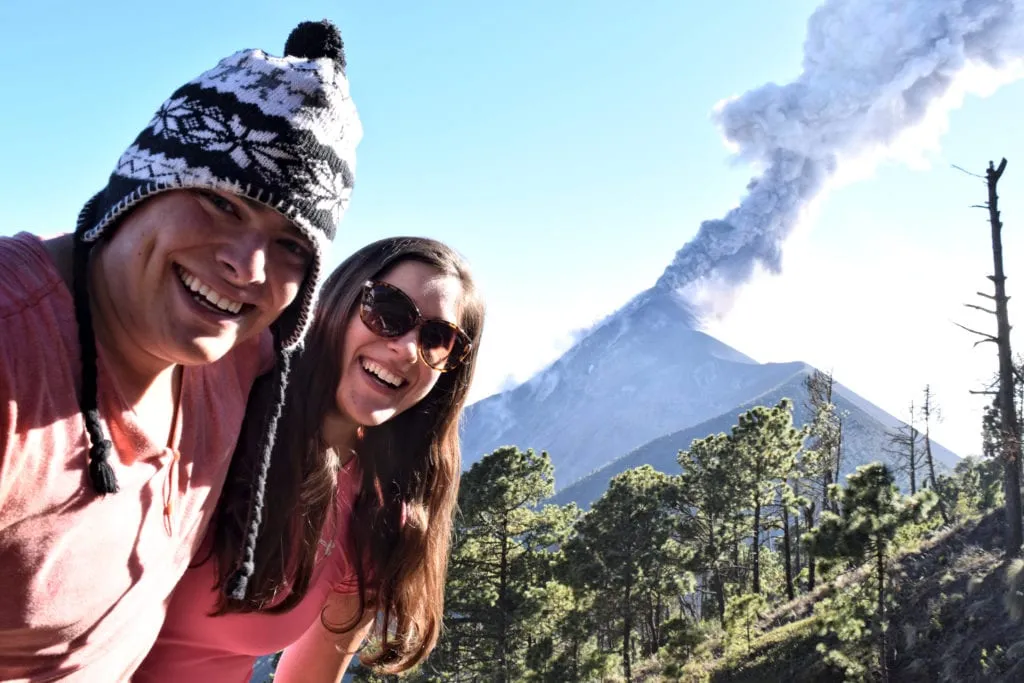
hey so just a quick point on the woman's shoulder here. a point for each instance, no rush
(339, 543)
(350, 482)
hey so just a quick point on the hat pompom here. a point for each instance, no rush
(316, 39)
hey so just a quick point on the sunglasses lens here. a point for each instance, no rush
(438, 343)
(387, 312)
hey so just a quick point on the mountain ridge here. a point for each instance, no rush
(641, 373)
(861, 441)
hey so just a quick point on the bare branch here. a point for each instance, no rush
(986, 296)
(963, 170)
(979, 206)
(980, 308)
(985, 341)
(998, 172)
(988, 337)
(984, 393)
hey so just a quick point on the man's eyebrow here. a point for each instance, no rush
(254, 205)
(259, 207)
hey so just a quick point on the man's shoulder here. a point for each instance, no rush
(28, 274)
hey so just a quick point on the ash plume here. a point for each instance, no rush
(871, 70)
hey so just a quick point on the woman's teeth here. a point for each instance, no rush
(382, 373)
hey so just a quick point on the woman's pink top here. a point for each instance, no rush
(196, 648)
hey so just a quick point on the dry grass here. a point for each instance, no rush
(955, 601)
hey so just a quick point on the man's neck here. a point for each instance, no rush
(135, 372)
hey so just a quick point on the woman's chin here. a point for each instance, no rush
(377, 417)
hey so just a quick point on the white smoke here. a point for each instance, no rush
(872, 71)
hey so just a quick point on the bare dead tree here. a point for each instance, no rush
(1008, 425)
(928, 411)
(906, 448)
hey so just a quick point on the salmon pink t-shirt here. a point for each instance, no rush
(84, 578)
(197, 648)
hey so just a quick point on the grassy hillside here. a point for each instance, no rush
(952, 620)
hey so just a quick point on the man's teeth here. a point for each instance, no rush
(382, 373)
(204, 290)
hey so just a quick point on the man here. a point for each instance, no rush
(127, 351)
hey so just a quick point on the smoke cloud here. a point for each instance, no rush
(872, 69)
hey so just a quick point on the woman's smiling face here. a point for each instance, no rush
(382, 377)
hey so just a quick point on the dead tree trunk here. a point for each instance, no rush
(912, 454)
(797, 560)
(1009, 442)
(927, 410)
(627, 646)
(903, 447)
(1018, 399)
(787, 552)
(883, 650)
(1009, 427)
(838, 458)
(755, 548)
(809, 521)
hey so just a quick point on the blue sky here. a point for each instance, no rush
(567, 150)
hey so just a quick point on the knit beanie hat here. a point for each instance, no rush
(281, 131)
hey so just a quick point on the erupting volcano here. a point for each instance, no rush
(872, 70)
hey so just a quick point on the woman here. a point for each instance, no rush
(359, 500)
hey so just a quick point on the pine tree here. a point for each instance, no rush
(820, 463)
(872, 511)
(710, 505)
(623, 545)
(500, 564)
(766, 443)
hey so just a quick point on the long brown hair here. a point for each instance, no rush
(402, 519)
